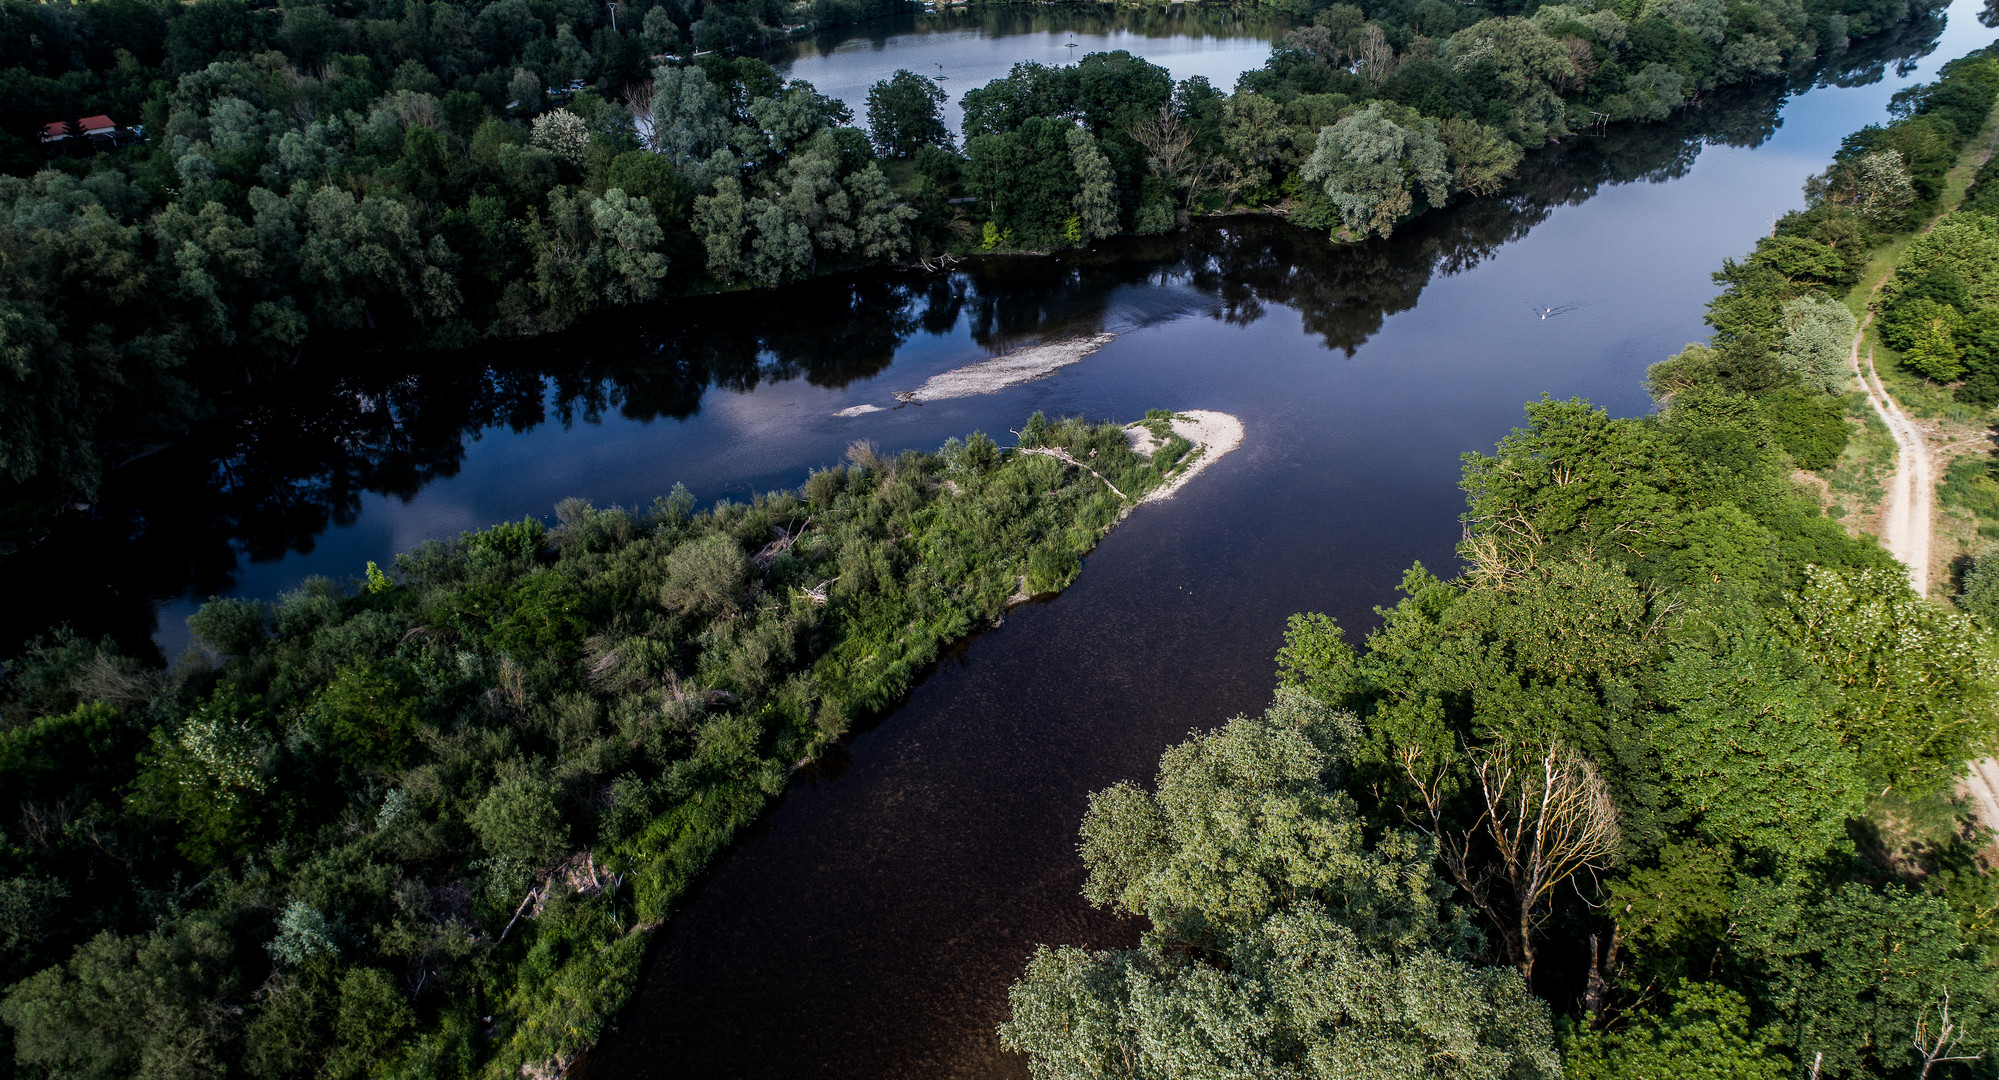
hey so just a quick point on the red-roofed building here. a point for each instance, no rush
(86, 136)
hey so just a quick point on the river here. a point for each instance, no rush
(869, 926)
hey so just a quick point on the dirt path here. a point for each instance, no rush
(1906, 508)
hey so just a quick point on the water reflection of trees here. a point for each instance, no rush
(275, 475)
(997, 20)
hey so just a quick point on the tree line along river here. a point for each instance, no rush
(869, 926)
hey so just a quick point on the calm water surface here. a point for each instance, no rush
(870, 925)
(971, 48)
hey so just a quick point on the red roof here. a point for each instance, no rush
(56, 130)
(97, 123)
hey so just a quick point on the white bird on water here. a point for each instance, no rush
(1547, 313)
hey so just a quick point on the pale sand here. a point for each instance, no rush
(858, 410)
(1023, 365)
(1212, 433)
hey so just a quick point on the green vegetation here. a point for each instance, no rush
(424, 829)
(360, 174)
(1659, 786)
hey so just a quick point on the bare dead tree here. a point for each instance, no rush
(1374, 57)
(1544, 817)
(1938, 1043)
(638, 101)
(1169, 149)
(44, 824)
(1582, 62)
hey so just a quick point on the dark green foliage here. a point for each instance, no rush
(1811, 427)
(330, 177)
(905, 111)
(488, 773)
(1773, 725)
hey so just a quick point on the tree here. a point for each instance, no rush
(367, 261)
(1169, 150)
(1482, 160)
(1859, 975)
(1547, 815)
(629, 238)
(719, 222)
(562, 133)
(1374, 168)
(1980, 595)
(1877, 185)
(149, 1007)
(1028, 91)
(1096, 198)
(1254, 137)
(689, 120)
(881, 221)
(1913, 681)
(1745, 743)
(1817, 342)
(906, 111)
(1280, 943)
(1705, 1036)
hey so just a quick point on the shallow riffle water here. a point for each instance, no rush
(869, 925)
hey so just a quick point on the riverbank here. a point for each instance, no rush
(550, 731)
(1212, 435)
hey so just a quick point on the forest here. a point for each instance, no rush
(425, 828)
(424, 176)
(1660, 785)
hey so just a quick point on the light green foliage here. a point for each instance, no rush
(1247, 821)
(303, 933)
(1281, 942)
(1096, 196)
(689, 120)
(1819, 336)
(1301, 996)
(1374, 169)
(1706, 1036)
(1878, 187)
(145, 1007)
(1913, 680)
(1980, 595)
(630, 238)
(1746, 745)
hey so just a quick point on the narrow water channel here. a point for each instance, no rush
(869, 926)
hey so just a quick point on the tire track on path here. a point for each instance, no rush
(1906, 509)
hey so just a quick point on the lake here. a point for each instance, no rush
(869, 925)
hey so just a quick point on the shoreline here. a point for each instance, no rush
(1214, 435)
(995, 374)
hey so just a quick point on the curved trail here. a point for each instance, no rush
(1906, 508)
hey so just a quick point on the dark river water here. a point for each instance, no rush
(869, 926)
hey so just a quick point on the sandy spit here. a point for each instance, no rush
(858, 410)
(1022, 365)
(1212, 433)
